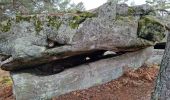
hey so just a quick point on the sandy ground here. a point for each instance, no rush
(5, 86)
(3, 73)
(134, 85)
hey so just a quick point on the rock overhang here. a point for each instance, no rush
(34, 40)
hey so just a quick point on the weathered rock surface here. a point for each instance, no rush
(33, 40)
(28, 85)
(49, 43)
(156, 57)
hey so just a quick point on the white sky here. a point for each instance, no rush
(90, 4)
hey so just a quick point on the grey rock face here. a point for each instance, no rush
(30, 86)
(33, 40)
(156, 57)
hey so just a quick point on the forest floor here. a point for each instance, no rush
(133, 85)
(5, 86)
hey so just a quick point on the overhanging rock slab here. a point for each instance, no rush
(30, 86)
(31, 40)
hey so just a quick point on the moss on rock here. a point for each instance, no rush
(38, 25)
(124, 18)
(20, 18)
(151, 29)
(36, 21)
(54, 21)
(5, 26)
(131, 11)
(78, 19)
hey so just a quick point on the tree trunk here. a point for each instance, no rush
(162, 88)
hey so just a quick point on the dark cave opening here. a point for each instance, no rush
(58, 66)
(160, 45)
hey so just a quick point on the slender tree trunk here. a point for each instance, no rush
(14, 3)
(162, 88)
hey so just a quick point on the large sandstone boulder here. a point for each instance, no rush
(28, 41)
(29, 85)
(102, 43)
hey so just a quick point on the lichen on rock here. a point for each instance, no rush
(151, 29)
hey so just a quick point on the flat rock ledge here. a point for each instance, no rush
(28, 85)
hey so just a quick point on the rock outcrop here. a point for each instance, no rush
(102, 43)
(31, 40)
(29, 85)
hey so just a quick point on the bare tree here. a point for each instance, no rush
(162, 88)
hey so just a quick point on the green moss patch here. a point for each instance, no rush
(36, 21)
(124, 18)
(131, 11)
(79, 18)
(20, 18)
(38, 25)
(5, 26)
(54, 21)
(151, 29)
